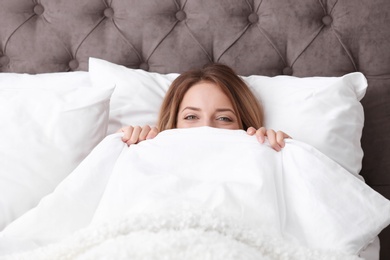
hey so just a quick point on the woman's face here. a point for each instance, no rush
(205, 104)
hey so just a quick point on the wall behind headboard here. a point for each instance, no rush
(266, 37)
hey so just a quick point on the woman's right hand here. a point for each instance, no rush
(136, 134)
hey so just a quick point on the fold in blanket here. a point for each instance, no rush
(298, 195)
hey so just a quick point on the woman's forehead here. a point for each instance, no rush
(206, 92)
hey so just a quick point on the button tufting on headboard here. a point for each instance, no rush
(181, 15)
(327, 20)
(287, 71)
(284, 35)
(39, 9)
(109, 12)
(253, 18)
(144, 66)
(73, 64)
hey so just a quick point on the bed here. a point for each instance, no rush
(293, 46)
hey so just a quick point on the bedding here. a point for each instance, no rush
(324, 112)
(50, 122)
(199, 186)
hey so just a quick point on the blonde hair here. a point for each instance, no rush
(245, 104)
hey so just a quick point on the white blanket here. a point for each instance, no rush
(188, 189)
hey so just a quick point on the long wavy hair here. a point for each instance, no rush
(245, 104)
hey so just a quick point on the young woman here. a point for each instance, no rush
(213, 96)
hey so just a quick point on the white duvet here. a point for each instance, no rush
(201, 193)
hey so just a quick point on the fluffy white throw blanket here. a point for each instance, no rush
(176, 235)
(201, 193)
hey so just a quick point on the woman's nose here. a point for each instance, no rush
(209, 122)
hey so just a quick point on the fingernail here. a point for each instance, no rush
(261, 139)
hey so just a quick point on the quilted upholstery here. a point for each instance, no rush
(267, 37)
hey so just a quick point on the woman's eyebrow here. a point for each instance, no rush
(217, 110)
(224, 110)
(191, 108)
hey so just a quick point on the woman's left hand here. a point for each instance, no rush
(276, 139)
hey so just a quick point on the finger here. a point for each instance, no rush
(152, 133)
(144, 132)
(134, 135)
(280, 138)
(272, 140)
(127, 132)
(251, 130)
(260, 134)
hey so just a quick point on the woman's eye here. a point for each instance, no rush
(224, 118)
(190, 117)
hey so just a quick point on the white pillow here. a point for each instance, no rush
(50, 122)
(138, 94)
(324, 112)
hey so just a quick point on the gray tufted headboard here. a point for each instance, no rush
(266, 37)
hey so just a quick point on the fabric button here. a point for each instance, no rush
(287, 71)
(253, 18)
(327, 20)
(4, 60)
(181, 15)
(73, 64)
(109, 12)
(38, 9)
(144, 66)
